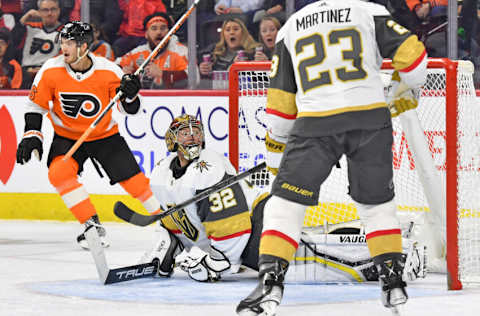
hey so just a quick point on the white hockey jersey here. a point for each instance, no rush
(326, 67)
(40, 45)
(221, 221)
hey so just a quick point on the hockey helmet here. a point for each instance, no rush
(80, 32)
(189, 151)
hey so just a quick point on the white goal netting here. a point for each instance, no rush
(422, 186)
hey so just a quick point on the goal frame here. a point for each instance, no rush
(451, 126)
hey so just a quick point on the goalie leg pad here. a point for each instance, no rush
(163, 252)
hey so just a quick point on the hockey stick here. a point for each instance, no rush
(117, 97)
(124, 212)
(123, 274)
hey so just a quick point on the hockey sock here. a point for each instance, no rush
(382, 228)
(282, 225)
(63, 176)
(138, 186)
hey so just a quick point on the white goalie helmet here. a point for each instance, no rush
(190, 150)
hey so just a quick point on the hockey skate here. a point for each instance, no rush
(390, 269)
(102, 233)
(268, 294)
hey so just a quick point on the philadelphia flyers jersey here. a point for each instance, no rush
(325, 70)
(77, 98)
(40, 45)
(222, 220)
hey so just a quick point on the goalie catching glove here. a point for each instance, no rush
(275, 147)
(202, 266)
(400, 97)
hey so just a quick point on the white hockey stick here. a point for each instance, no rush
(432, 184)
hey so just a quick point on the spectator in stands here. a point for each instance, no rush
(131, 32)
(13, 7)
(235, 44)
(274, 8)
(99, 46)
(301, 3)
(40, 37)
(169, 67)
(269, 27)
(242, 9)
(106, 11)
(10, 71)
(237, 6)
(433, 28)
(6, 20)
(175, 10)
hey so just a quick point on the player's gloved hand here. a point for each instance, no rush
(129, 85)
(275, 147)
(32, 141)
(203, 267)
(400, 98)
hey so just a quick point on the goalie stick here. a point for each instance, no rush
(110, 276)
(124, 212)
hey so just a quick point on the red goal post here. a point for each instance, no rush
(447, 101)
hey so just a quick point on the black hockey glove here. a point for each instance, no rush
(130, 85)
(32, 140)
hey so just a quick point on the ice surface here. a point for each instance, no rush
(44, 272)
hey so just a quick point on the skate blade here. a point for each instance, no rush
(397, 310)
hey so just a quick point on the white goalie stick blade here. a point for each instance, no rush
(117, 275)
(98, 254)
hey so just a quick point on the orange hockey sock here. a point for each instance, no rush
(63, 176)
(138, 186)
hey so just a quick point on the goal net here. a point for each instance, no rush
(436, 162)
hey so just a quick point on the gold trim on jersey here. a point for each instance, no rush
(169, 223)
(281, 101)
(228, 226)
(343, 110)
(384, 244)
(407, 53)
(259, 199)
(276, 246)
(334, 265)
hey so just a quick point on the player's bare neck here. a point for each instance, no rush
(183, 162)
(83, 65)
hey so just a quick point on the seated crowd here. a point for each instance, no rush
(227, 31)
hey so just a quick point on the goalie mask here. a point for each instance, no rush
(182, 127)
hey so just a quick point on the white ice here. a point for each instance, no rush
(44, 272)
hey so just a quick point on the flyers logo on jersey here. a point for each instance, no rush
(45, 46)
(73, 104)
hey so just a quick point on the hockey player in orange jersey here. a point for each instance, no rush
(80, 85)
